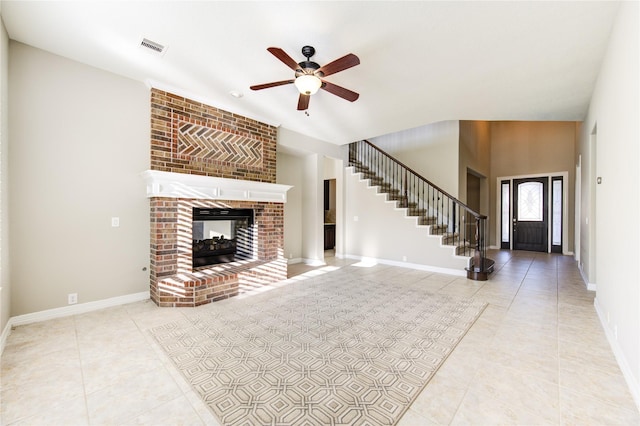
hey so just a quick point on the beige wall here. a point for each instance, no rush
(289, 172)
(532, 148)
(5, 283)
(613, 115)
(79, 139)
(430, 150)
(307, 160)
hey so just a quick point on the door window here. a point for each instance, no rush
(506, 213)
(530, 201)
(556, 214)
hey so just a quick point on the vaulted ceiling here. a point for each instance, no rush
(421, 61)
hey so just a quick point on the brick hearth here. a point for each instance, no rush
(188, 137)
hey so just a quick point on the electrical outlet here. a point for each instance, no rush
(115, 222)
(72, 298)
(404, 258)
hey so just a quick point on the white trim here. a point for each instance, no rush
(184, 185)
(5, 335)
(293, 261)
(634, 386)
(577, 208)
(313, 262)
(417, 266)
(80, 308)
(68, 311)
(585, 279)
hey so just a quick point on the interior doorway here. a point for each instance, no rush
(329, 214)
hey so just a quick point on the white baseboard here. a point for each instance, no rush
(590, 286)
(5, 335)
(634, 386)
(66, 311)
(310, 262)
(448, 271)
(313, 262)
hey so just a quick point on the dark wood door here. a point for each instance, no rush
(329, 237)
(531, 214)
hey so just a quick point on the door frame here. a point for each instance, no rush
(565, 208)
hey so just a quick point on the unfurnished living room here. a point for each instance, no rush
(319, 212)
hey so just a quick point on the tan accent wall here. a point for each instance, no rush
(475, 157)
(525, 148)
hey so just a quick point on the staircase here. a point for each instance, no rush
(455, 223)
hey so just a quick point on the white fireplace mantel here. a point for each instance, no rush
(182, 185)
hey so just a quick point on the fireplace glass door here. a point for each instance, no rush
(221, 236)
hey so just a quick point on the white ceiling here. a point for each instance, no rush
(421, 62)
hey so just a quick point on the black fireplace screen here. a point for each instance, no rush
(221, 236)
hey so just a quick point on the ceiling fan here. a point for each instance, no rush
(309, 76)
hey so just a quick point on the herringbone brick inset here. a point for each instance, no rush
(206, 143)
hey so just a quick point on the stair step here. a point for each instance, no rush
(454, 239)
(361, 169)
(451, 239)
(465, 250)
(416, 212)
(428, 220)
(438, 229)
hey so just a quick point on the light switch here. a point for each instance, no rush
(115, 222)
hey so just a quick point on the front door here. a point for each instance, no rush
(530, 214)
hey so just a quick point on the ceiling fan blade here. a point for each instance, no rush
(303, 102)
(340, 91)
(340, 64)
(274, 84)
(286, 59)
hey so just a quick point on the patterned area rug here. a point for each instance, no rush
(345, 351)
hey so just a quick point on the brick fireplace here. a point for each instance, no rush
(205, 157)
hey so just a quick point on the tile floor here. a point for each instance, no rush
(537, 355)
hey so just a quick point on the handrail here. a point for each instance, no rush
(426, 180)
(457, 223)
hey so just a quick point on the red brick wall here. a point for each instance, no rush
(190, 137)
(193, 138)
(171, 231)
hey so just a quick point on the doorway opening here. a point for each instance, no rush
(329, 215)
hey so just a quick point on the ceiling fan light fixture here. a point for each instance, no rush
(308, 84)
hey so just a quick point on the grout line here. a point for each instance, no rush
(84, 384)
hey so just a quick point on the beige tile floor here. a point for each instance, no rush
(537, 355)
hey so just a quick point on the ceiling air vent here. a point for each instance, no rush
(153, 46)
